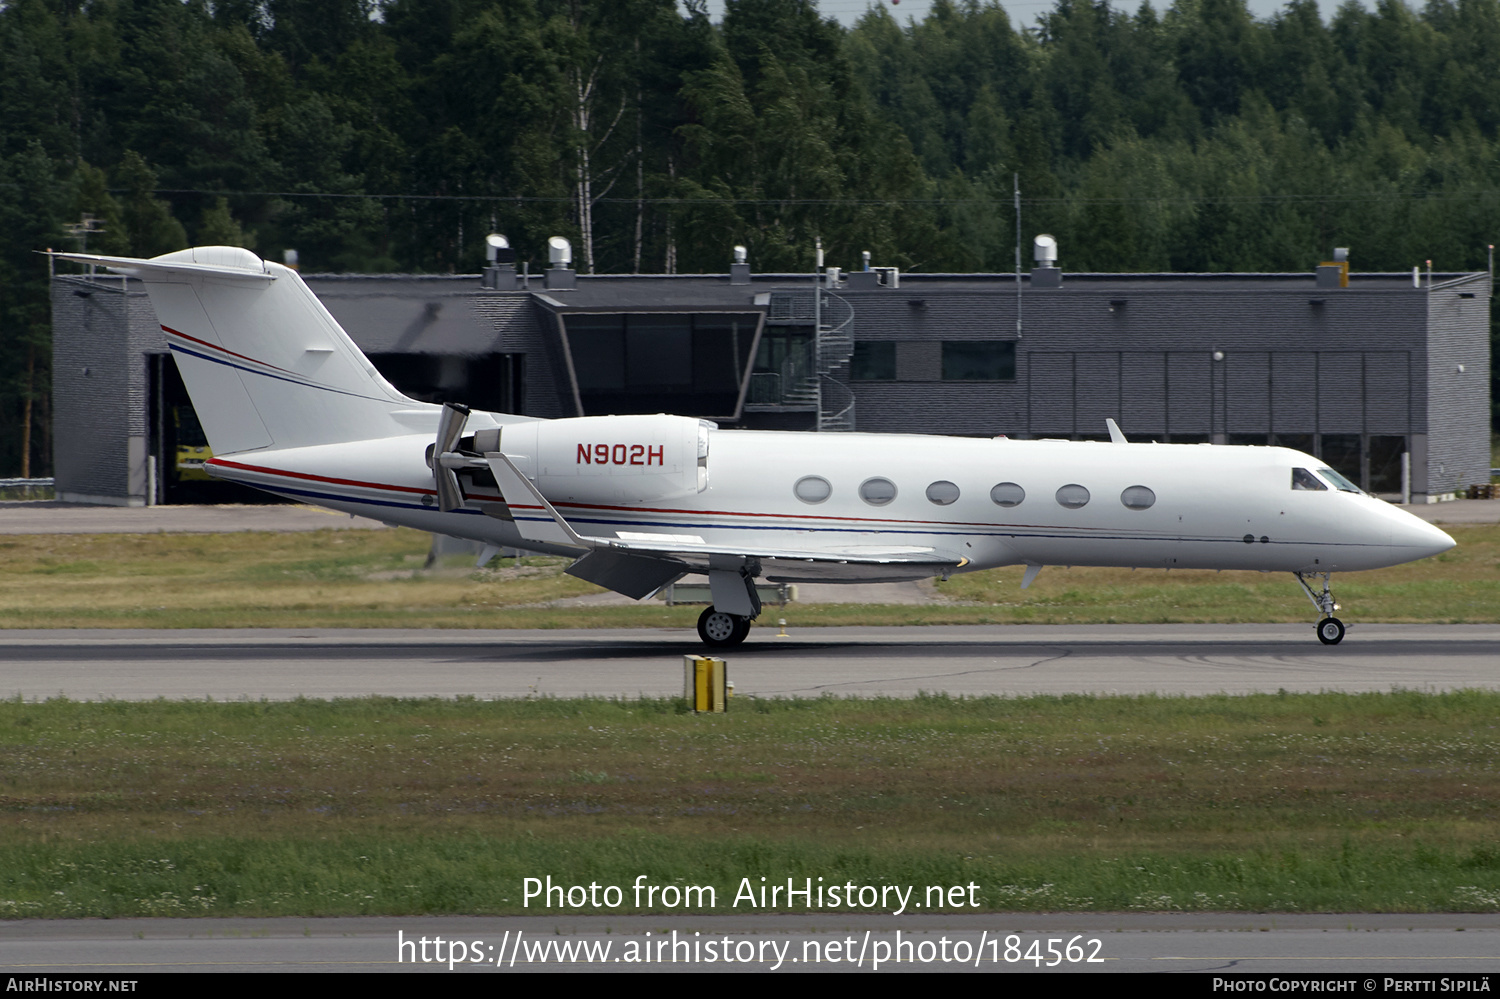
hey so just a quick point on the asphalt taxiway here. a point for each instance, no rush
(896, 662)
(1361, 950)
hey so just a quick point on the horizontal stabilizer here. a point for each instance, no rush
(221, 262)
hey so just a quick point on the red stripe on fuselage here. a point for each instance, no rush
(320, 478)
(627, 509)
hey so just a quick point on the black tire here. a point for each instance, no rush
(1330, 631)
(720, 630)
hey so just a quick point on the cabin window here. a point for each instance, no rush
(942, 493)
(1007, 494)
(877, 491)
(1138, 498)
(1303, 479)
(1072, 496)
(812, 489)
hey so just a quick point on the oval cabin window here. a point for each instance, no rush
(812, 489)
(1137, 498)
(1072, 496)
(877, 492)
(1007, 494)
(942, 493)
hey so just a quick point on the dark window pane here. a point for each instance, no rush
(874, 361)
(1342, 452)
(658, 352)
(1297, 442)
(598, 349)
(642, 362)
(984, 360)
(1385, 463)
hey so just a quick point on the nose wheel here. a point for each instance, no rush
(720, 630)
(1330, 628)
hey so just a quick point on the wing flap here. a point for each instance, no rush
(635, 576)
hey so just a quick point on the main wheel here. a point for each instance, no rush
(720, 630)
(1330, 631)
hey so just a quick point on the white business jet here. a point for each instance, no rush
(290, 405)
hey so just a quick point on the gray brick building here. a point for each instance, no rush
(1359, 375)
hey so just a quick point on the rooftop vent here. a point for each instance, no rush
(739, 271)
(560, 276)
(1335, 273)
(500, 272)
(1046, 273)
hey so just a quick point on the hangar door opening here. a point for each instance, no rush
(486, 381)
(178, 445)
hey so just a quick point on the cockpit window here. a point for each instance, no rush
(1343, 484)
(1303, 479)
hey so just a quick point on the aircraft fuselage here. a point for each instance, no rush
(1065, 502)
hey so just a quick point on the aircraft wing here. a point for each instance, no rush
(637, 564)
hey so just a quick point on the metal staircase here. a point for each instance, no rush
(812, 383)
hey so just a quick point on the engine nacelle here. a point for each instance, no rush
(609, 459)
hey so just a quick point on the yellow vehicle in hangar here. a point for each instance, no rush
(192, 446)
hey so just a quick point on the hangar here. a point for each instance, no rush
(1384, 376)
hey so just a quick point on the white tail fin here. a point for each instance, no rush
(265, 363)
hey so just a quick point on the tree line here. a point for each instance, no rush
(392, 136)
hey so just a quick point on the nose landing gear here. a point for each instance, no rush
(1330, 628)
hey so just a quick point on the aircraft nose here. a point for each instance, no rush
(1414, 538)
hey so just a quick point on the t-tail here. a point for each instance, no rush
(265, 363)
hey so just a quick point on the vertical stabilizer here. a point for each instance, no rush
(265, 363)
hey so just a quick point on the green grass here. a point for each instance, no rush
(1326, 802)
(371, 579)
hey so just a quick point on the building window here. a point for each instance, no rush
(688, 363)
(979, 361)
(873, 361)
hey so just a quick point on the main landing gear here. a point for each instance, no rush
(1330, 629)
(720, 630)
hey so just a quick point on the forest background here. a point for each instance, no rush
(392, 135)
